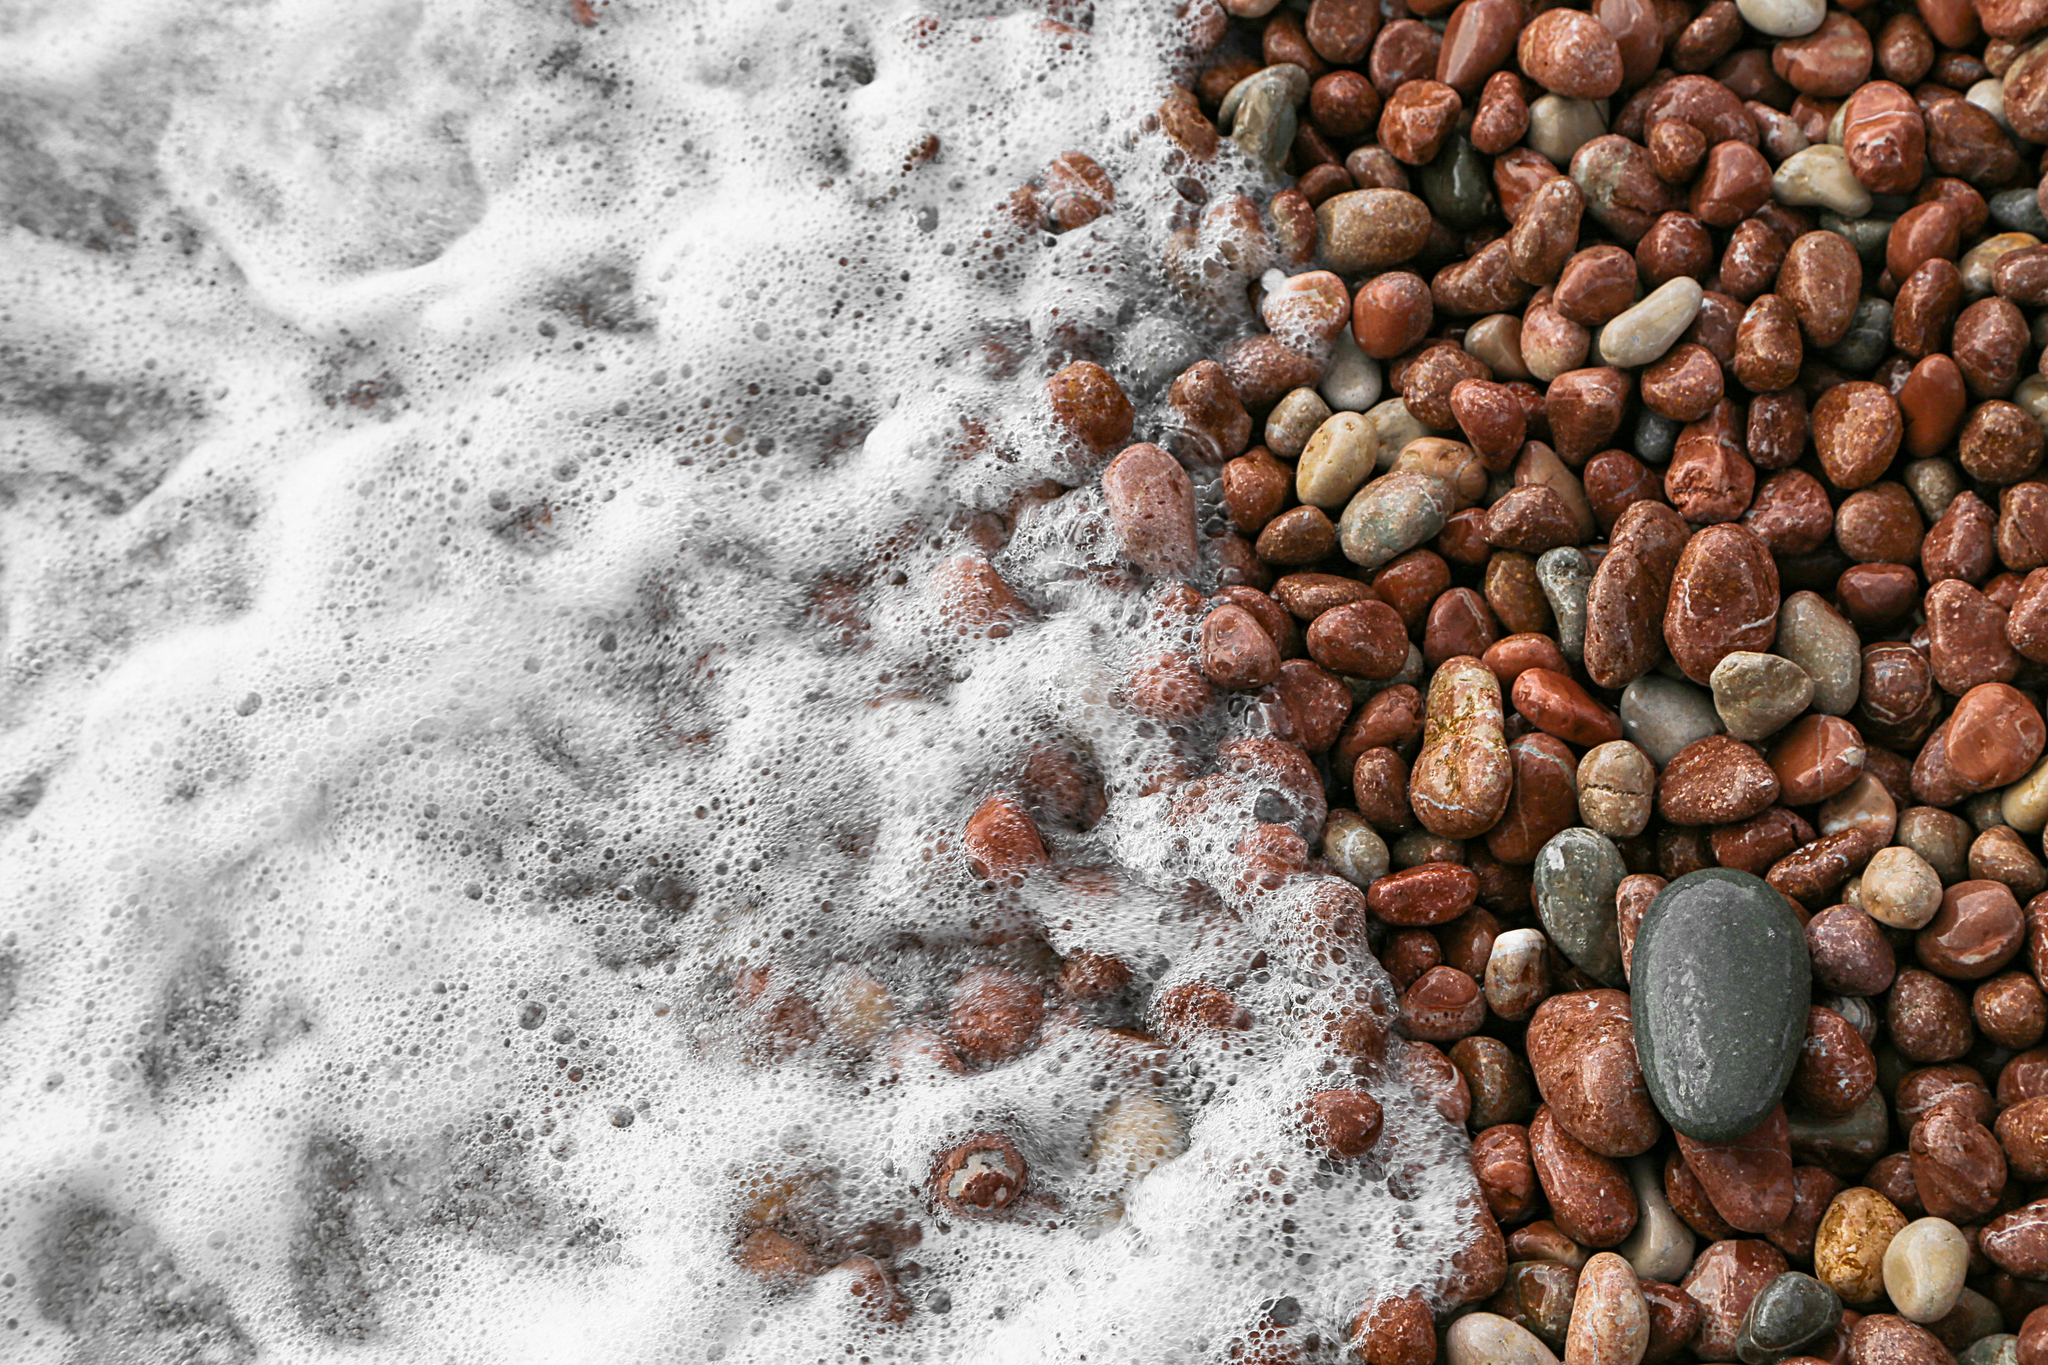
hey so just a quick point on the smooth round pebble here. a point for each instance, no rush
(1900, 889)
(1924, 1268)
(1489, 1339)
(1782, 18)
(1661, 716)
(1787, 1313)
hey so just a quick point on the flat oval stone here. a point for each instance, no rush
(1661, 716)
(1787, 1313)
(1576, 875)
(1650, 328)
(1720, 986)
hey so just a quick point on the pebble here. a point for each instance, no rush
(1458, 184)
(1850, 1244)
(1661, 716)
(1820, 177)
(1924, 1268)
(1660, 1248)
(1565, 574)
(1647, 330)
(1868, 338)
(1757, 694)
(2019, 211)
(1351, 378)
(1787, 1313)
(1397, 427)
(1782, 18)
(1617, 785)
(1489, 1339)
(1610, 1323)
(1813, 635)
(1721, 983)
(1354, 848)
(1337, 459)
(1900, 889)
(1559, 126)
(2024, 805)
(1371, 229)
(1576, 875)
(2000, 1348)
(1263, 122)
(1392, 515)
(1656, 437)
(1292, 77)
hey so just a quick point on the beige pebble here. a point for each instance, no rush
(1900, 889)
(1337, 459)
(1924, 1268)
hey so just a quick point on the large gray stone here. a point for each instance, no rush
(1720, 986)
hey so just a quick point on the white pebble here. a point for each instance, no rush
(1783, 18)
(1924, 1268)
(1351, 379)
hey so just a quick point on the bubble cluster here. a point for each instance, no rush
(489, 492)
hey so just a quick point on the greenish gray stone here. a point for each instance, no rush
(1661, 715)
(1812, 634)
(1868, 337)
(1566, 575)
(2001, 1348)
(1391, 516)
(1867, 235)
(1458, 185)
(1786, 1314)
(2019, 211)
(1264, 123)
(1576, 876)
(1720, 988)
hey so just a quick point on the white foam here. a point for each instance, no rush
(438, 439)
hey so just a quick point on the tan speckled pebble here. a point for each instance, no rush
(1848, 1249)
(1900, 889)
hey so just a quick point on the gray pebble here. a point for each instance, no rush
(2019, 211)
(1457, 185)
(1661, 716)
(1812, 634)
(1867, 235)
(1868, 337)
(1265, 122)
(1656, 437)
(1756, 695)
(1392, 515)
(1719, 984)
(1786, 1314)
(1576, 875)
(1565, 574)
(2001, 1348)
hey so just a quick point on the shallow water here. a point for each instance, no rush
(470, 477)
